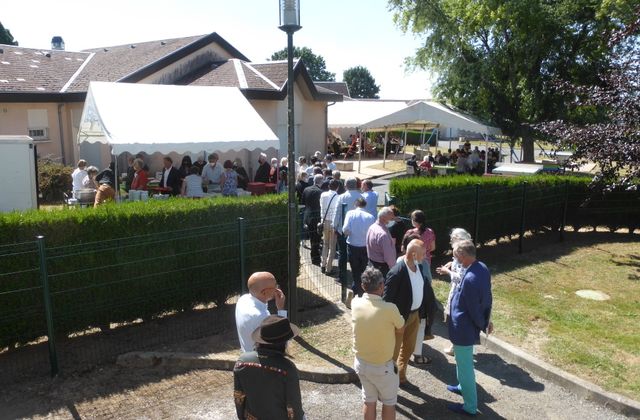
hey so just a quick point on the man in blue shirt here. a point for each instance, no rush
(346, 201)
(356, 225)
(470, 314)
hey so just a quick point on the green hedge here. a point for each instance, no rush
(122, 262)
(54, 179)
(450, 202)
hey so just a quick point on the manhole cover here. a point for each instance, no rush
(592, 294)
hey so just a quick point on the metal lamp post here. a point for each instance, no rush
(290, 23)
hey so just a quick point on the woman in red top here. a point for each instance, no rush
(140, 178)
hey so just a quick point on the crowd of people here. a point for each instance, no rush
(465, 160)
(392, 304)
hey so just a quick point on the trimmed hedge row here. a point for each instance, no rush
(497, 204)
(123, 262)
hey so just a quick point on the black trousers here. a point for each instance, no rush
(383, 267)
(358, 261)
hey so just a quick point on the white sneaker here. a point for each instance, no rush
(349, 298)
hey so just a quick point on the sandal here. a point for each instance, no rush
(419, 359)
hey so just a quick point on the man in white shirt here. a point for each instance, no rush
(328, 205)
(371, 196)
(78, 176)
(252, 308)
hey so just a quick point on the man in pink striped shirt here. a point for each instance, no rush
(380, 248)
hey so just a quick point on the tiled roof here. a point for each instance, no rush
(236, 73)
(110, 64)
(276, 71)
(41, 71)
(338, 87)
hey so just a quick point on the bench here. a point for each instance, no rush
(342, 165)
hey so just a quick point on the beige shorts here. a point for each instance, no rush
(379, 382)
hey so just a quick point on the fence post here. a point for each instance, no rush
(241, 254)
(476, 218)
(51, 338)
(522, 215)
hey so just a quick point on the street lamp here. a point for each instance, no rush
(290, 23)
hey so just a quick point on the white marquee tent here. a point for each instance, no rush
(166, 118)
(429, 114)
(352, 114)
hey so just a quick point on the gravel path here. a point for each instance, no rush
(504, 391)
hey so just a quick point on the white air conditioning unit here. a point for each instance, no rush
(39, 133)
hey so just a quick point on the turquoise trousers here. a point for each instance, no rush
(466, 377)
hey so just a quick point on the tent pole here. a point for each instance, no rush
(384, 151)
(404, 145)
(361, 140)
(422, 137)
(486, 153)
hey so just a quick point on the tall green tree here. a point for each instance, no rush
(315, 64)
(6, 37)
(360, 82)
(496, 59)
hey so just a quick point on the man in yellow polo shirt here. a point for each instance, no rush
(375, 324)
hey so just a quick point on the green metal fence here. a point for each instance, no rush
(64, 308)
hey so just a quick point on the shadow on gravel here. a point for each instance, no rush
(508, 374)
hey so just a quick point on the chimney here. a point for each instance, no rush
(57, 43)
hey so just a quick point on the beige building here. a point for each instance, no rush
(42, 92)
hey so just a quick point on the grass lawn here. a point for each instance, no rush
(536, 308)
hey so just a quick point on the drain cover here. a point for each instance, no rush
(592, 294)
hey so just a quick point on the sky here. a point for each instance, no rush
(346, 33)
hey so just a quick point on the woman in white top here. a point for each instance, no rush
(192, 184)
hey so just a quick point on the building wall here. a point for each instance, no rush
(14, 120)
(310, 122)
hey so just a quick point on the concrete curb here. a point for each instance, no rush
(309, 373)
(576, 385)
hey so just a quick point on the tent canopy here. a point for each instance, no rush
(166, 118)
(428, 114)
(352, 114)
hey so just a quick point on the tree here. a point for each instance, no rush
(6, 37)
(315, 63)
(360, 82)
(603, 124)
(497, 59)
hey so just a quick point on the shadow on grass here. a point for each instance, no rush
(546, 246)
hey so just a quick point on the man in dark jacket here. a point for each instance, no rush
(470, 313)
(266, 383)
(262, 173)
(414, 297)
(311, 200)
(170, 176)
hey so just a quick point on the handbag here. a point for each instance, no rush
(320, 227)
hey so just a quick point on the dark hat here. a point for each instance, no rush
(275, 329)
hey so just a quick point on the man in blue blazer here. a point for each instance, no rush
(470, 314)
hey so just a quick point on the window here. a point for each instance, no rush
(39, 133)
(38, 120)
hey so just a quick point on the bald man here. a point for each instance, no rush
(405, 286)
(252, 308)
